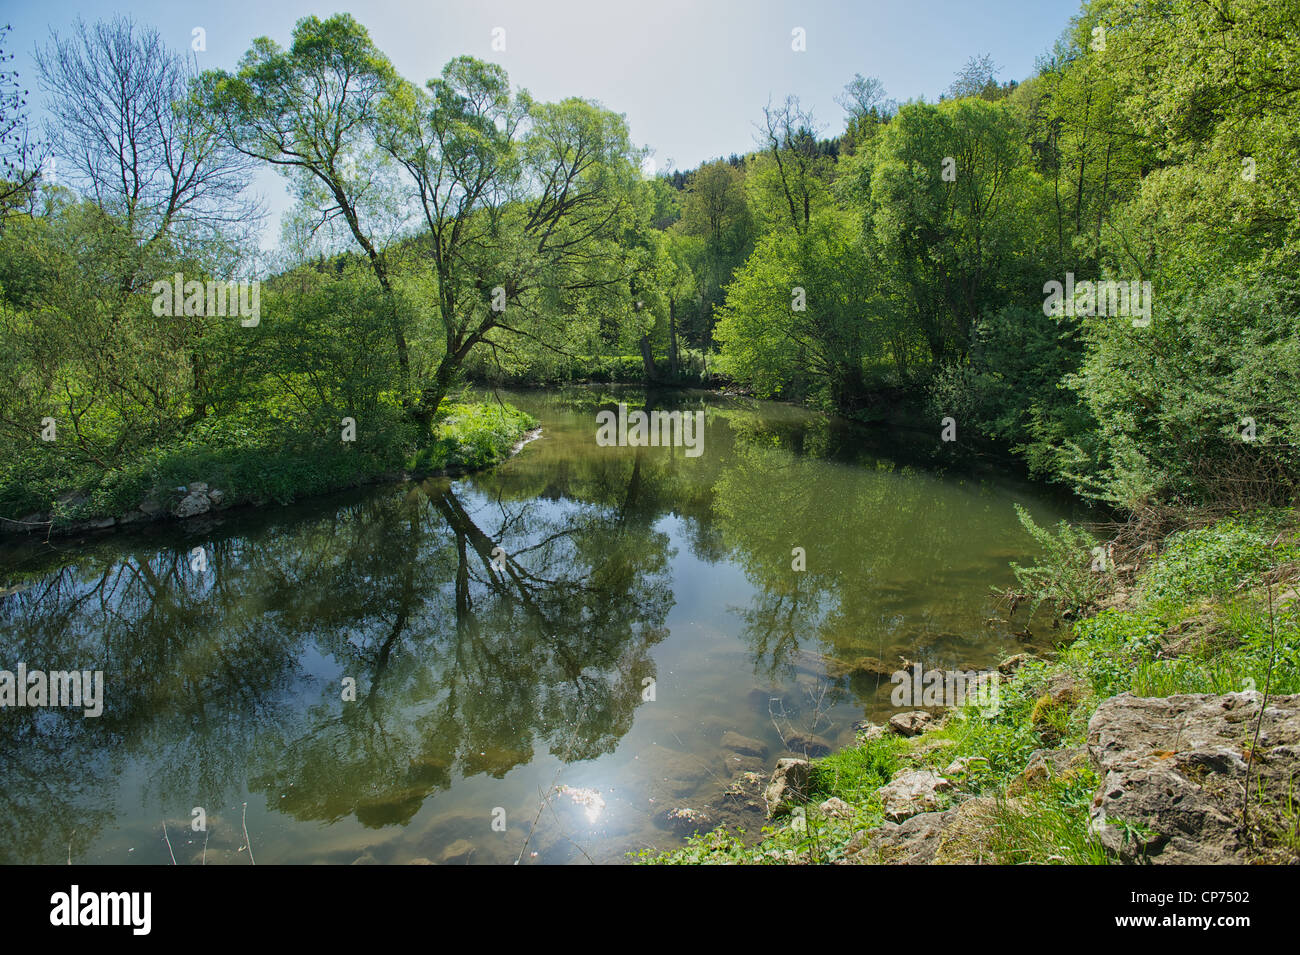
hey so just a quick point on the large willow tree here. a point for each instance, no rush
(513, 206)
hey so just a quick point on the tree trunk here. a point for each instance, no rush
(672, 337)
(647, 358)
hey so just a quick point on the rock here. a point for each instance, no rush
(743, 745)
(965, 764)
(836, 808)
(1013, 663)
(683, 821)
(788, 785)
(868, 732)
(954, 836)
(1066, 689)
(193, 504)
(151, 508)
(735, 763)
(910, 724)
(1174, 769)
(198, 487)
(101, 523)
(808, 744)
(1045, 765)
(672, 775)
(912, 791)
(1201, 633)
(913, 842)
(457, 853)
(216, 497)
(746, 790)
(859, 667)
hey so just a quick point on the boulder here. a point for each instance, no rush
(744, 745)
(915, 841)
(788, 786)
(956, 836)
(1174, 772)
(1013, 663)
(683, 821)
(868, 732)
(859, 667)
(808, 744)
(910, 724)
(912, 791)
(672, 775)
(734, 763)
(193, 504)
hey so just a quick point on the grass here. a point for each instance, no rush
(1198, 621)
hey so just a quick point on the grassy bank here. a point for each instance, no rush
(258, 459)
(1215, 612)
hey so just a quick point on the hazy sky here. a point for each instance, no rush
(691, 77)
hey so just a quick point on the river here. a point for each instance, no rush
(566, 659)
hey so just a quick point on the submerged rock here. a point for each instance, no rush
(683, 821)
(808, 744)
(744, 745)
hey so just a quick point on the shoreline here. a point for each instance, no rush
(1135, 742)
(215, 502)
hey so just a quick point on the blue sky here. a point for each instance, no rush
(691, 77)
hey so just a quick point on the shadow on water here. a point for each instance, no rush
(588, 647)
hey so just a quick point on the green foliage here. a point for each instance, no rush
(1215, 561)
(1064, 575)
(472, 436)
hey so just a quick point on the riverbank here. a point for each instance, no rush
(1165, 728)
(239, 464)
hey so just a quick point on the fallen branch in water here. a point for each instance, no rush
(248, 843)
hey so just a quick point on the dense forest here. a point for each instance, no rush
(462, 231)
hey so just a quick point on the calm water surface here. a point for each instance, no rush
(577, 683)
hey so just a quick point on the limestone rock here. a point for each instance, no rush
(1174, 769)
(193, 504)
(912, 791)
(808, 744)
(836, 808)
(788, 785)
(910, 724)
(744, 745)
